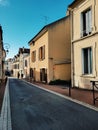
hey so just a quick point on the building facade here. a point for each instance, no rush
(23, 52)
(21, 63)
(84, 37)
(27, 66)
(2, 55)
(8, 66)
(50, 52)
(15, 66)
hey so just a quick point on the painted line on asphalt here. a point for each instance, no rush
(66, 97)
(5, 119)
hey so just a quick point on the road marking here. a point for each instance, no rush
(5, 119)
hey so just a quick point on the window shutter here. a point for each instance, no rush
(90, 60)
(90, 20)
(87, 22)
(82, 61)
(44, 52)
(35, 56)
(81, 24)
(39, 54)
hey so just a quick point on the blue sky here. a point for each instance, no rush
(21, 20)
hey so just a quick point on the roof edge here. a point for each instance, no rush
(45, 28)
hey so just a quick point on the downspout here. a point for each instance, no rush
(94, 16)
(72, 49)
(95, 43)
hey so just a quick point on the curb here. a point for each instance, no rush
(68, 98)
(5, 119)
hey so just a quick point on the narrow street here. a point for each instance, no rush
(35, 109)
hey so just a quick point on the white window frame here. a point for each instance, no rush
(88, 24)
(89, 61)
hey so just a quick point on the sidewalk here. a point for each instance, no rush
(85, 96)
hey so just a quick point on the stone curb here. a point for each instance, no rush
(68, 98)
(71, 99)
(5, 118)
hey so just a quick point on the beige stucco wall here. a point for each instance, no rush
(27, 68)
(15, 71)
(79, 43)
(43, 40)
(62, 71)
(59, 40)
(60, 49)
(57, 51)
(81, 80)
(76, 17)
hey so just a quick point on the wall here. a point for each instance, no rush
(60, 49)
(43, 40)
(78, 43)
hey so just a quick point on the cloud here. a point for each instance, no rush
(4, 2)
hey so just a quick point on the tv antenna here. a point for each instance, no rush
(46, 18)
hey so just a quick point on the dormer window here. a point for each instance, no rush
(86, 22)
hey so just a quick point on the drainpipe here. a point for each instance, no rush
(72, 49)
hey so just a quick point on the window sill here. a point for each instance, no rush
(42, 59)
(84, 37)
(88, 75)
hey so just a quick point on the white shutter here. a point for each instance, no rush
(87, 22)
(90, 20)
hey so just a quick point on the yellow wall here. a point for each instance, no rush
(57, 51)
(62, 71)
(43, 40)
(59, 40)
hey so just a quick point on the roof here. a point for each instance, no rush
(1, 37)
(24, 50)
(44, 29)
(74, 3)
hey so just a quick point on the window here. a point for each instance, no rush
(25, 63)
(42, 53)
(86, 22)
(18, 66)
(15, 66)
(33, 57)
(0, 53)
(43, 74)
(87, 60)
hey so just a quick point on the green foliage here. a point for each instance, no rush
(60, 82)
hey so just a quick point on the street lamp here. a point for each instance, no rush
(6, 47)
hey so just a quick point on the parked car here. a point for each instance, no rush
(7, 73)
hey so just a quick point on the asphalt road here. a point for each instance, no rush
(35, 109)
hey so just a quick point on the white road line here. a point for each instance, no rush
(5, 119)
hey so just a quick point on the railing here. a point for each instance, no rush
(94, 89)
